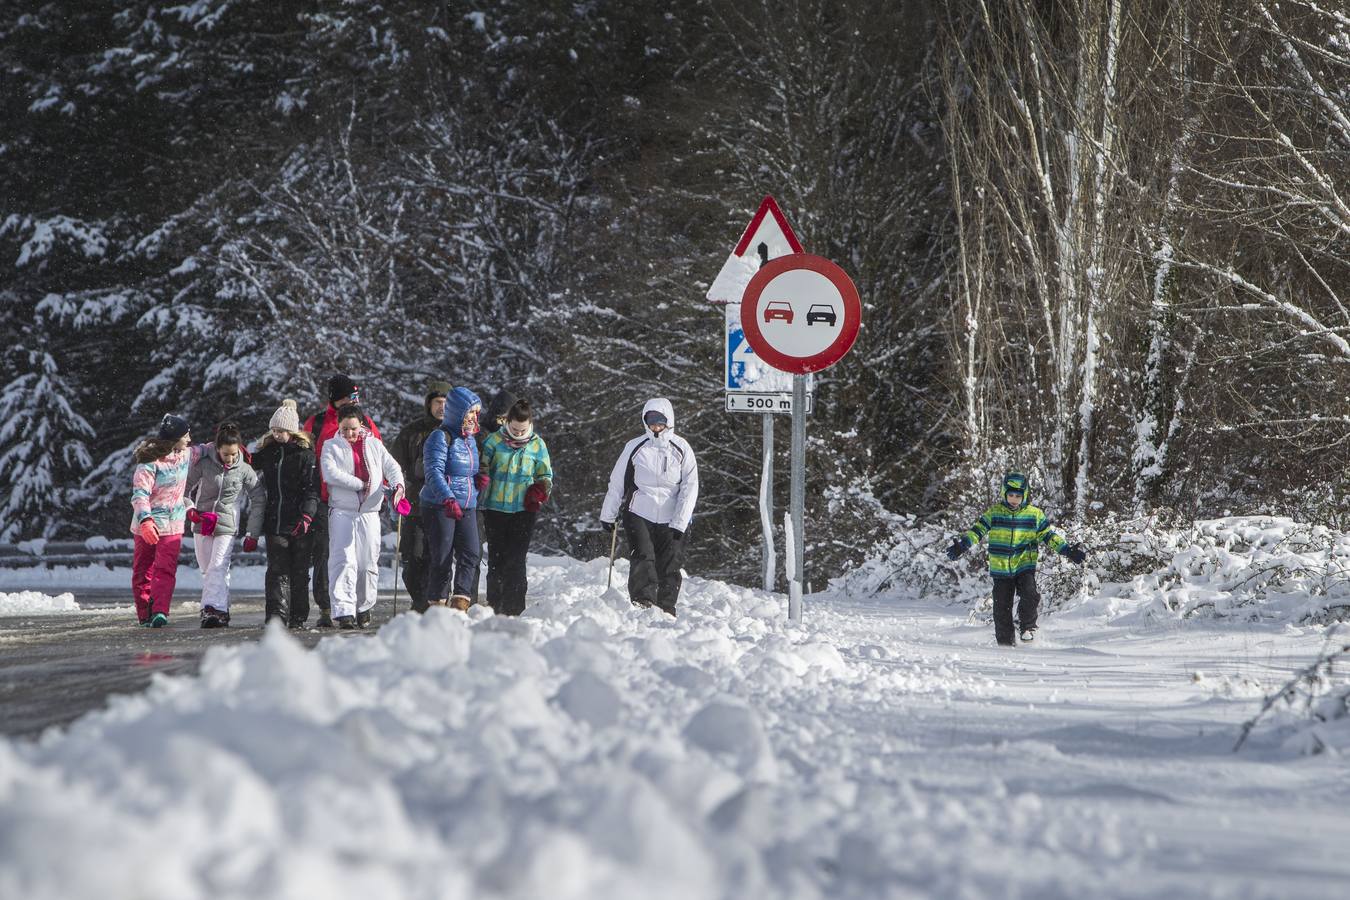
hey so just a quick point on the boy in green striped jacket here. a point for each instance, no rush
(515, 478)
(1016, 530)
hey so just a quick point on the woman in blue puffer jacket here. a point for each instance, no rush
(448, 500)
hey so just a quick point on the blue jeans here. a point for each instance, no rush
(452, 549)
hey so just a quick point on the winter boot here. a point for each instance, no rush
(363, 619)
(214, 618)
(346, 623)
(325, 620)
(461, 602)
(159, 620)
(1028, 635)
(431, 603)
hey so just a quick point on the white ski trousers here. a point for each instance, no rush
(213, 558)
(353, 560)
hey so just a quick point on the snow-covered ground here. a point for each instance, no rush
(589, 749)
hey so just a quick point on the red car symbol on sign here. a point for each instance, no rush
(821, 312)
(778, 309)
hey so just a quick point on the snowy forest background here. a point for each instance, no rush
(1104, 241)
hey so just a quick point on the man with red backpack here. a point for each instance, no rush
(342, 391)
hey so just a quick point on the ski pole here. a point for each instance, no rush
(398, 545)
(613, 545)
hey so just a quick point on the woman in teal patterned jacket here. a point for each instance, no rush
(519, 478)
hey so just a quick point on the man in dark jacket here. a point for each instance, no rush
(342, 391)
(407, 450)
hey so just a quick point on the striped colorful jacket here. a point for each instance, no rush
(1015, 538)
(158, 488)
(513, 470)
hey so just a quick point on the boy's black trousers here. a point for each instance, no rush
(1028, 603)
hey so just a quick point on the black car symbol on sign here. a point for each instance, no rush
(821, 312)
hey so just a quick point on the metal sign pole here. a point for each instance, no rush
(766, 505)
(766, 478)
(798, 499)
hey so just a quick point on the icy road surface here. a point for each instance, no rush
(591, 750)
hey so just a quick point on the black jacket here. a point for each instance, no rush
(407, 451)
(286, 488)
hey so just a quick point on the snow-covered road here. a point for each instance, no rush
(885, 749)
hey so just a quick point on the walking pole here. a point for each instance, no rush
(398, 542)
(613, 545)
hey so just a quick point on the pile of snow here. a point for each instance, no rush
(587, 749)
(34, 547)
(30, 603)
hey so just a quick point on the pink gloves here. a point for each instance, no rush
(452, 509)
(481, 481)
(301, 526)
(403, 507)
(206, 521)
(535, 495)
(250, 544)
(148, 532)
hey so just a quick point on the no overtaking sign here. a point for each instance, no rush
(801, 313)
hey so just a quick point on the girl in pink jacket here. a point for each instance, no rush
(157, 513)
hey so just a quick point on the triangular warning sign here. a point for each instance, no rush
(768, 236)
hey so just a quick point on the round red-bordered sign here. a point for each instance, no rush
(801, 313)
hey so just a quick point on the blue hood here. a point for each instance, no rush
(459, 402)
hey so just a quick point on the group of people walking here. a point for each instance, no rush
(454, 475)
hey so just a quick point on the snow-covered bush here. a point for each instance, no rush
(1249, 568)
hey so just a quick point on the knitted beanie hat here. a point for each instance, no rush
(436, 389)
(172, 427)
(287, 417)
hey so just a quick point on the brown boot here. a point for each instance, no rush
(460, 602)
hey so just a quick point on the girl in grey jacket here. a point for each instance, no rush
(217, 480)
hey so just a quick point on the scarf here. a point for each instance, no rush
(516, 443)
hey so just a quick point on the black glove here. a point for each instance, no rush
(679, 535)
(1076, 553)
(958, 547)
(608, 526)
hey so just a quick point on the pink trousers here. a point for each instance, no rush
(154, 571)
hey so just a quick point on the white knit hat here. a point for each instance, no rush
(287, 417)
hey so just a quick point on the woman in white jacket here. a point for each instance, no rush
(356, 466)
(654, 486)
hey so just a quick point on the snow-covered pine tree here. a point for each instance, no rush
(44, 444)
